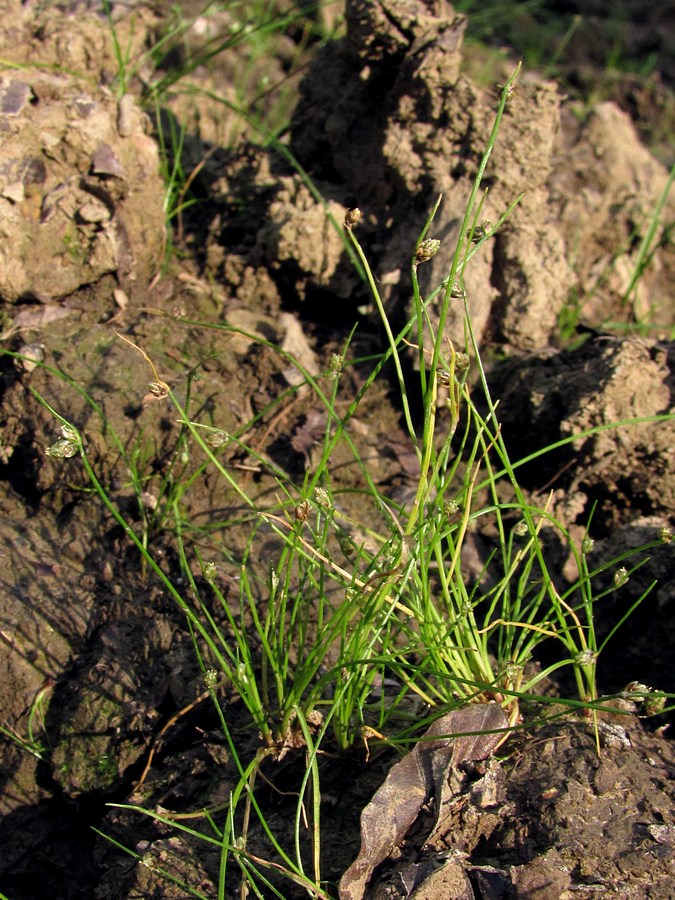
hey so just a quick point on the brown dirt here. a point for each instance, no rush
(386, 119)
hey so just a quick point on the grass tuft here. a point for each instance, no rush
(352, 630)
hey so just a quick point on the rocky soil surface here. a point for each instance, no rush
(386, 119)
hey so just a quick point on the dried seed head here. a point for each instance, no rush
(443, 377)
(665, 535)
(149, 500)
(158, 389)
(521, 529)
(302, 511)
(314, 718)
(480, 231)
(427, 250)
(352, 218)
(510, 94)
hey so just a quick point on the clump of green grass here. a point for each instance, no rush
(313, 636)
(657, 236)
(35, 740)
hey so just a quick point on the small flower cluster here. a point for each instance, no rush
(218, 439)
(67, 446)
(352, 218)
(210, 571)
(426, 251)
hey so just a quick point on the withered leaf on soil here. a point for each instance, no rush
(39, 316)
(401, 448)
(419, 776)
(296, 343)
(311, 433)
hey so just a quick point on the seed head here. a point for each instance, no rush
(587, 545)
(218, 438)
(451, 509)
(210, 678)
(209, 571)
(62, 449)
(302, 511)
(510, 94)
(352, 218)
(427, 250)
(322, 498)
(620, 577)
(158, 389)
(346, 543)
(585, 658)
(652, 705)
(481, 231)
(335, 365)
(513, 673)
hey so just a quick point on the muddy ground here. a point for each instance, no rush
(386, 118)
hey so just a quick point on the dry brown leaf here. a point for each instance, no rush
(402, 450)
(419, 776)
(296, 344)
(311, 433)
(39, 316)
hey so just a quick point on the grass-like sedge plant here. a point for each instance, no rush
(314, 636)
(474, 642)
(316, 633)
(35, 740)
